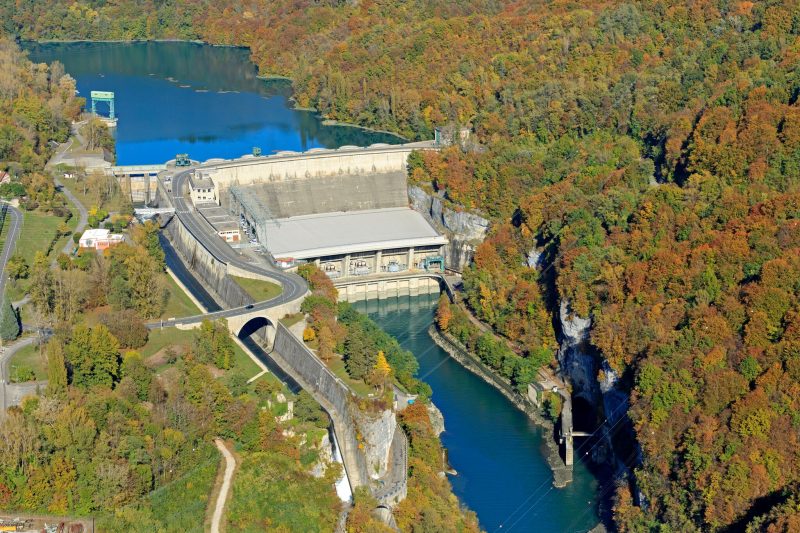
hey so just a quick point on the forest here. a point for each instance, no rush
(650, 152)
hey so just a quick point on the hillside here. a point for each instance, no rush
(650, 149)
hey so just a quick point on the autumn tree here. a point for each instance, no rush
(93, 355)
(56, 368)
(443, 312)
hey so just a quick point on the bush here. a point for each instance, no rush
(127, 327)
(309, 335)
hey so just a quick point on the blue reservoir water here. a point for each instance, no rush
(206, 101)
(183, 97)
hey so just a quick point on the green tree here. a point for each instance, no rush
(359, 353)
(56, 368)
(93, 355)
(17, 267)
(213, 344)
(9, 321)
(146, 287)
(133, 367)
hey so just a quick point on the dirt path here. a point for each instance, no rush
(230, 465)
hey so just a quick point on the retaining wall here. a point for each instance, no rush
(208, 268)
(330, 392)
(294, 358)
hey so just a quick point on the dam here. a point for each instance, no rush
(346, 210)
(493, 447)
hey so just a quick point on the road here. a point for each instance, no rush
(15, 219)
(294, 287)
(83, 214)
(8, 351)
(230, 464)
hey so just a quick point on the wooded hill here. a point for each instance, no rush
(650, 148)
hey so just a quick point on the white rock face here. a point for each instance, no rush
(325, 456)
(437, 419)
(534, 258)
(574, 328)
(378, 432)
(464, 230)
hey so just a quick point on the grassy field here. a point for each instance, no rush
(179, 303)
(29, 357)
(38, 231)
(259, 290)
(89, 200)
(161, 338)
(359, 387)
(291, 320)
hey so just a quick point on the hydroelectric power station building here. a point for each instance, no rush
(352, 219)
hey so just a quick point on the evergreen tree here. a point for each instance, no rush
(359, 356)
(9, 321)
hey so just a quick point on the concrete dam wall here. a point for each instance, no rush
(323, 194)
(318, 162)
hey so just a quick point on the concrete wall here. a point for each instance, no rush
(355, 290)
(308, 165)
(371, 446)
(330, 392)
(208, 268)
(318, 194)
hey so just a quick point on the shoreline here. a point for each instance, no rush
(562, 474)
(129, 41)
(264, 77)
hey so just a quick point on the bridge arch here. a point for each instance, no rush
(261, 327)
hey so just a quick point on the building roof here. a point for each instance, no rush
(201, 183)
(311, 236)
(99, 233)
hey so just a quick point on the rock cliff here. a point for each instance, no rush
(464, 230)
(377, 432)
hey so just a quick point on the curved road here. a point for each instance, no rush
(11, 241)
(294, 287)
(83, 214)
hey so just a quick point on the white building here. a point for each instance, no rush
(202, 189)
(99, 239)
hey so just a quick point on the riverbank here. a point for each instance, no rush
(562, 474)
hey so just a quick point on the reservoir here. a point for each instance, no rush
(179, 97)
(207, 101)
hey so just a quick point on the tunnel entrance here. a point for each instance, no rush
(584, 416)
(260, 329)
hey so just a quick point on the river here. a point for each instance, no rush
(496, 450)
(207, 101)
